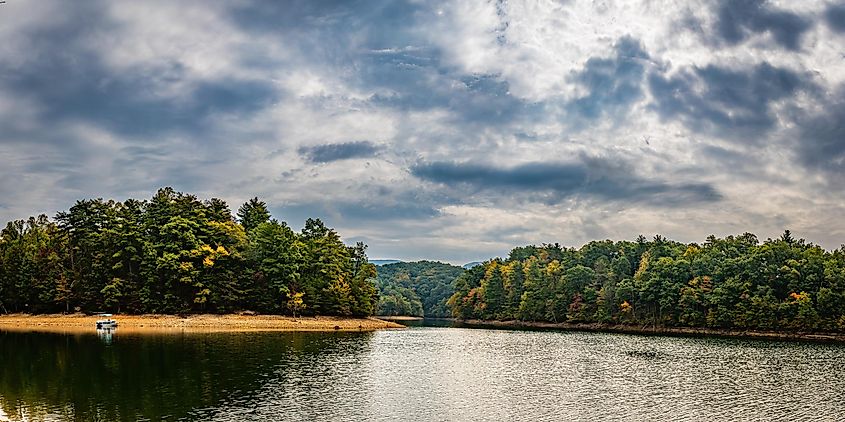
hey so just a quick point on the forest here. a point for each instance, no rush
(176, 254)
(416, 288)
(736, 282)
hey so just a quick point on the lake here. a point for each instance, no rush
(422, 373)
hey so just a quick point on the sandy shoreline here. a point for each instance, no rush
(202, 322)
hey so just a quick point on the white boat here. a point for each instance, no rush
(106, 323)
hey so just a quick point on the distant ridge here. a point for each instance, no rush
(384, 261)
(380, 262)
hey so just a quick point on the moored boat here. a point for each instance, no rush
(108, 322)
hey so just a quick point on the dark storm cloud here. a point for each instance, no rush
(358, 211)
(728, 102)
(821, 140)
(835, 17)
(378, 206)
(736, 21)
(334, 152)
(125, 103)
(591, 177)
(74, 83)
(613, 83)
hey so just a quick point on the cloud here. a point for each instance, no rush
(417, 80)
(591, 177)
(335, 152)
(391, 59)
(445, 130)
(835, 17)
(76, 85)
(733, 103)
(737, 21)
(613, 84)
(77, 82)
(820, 142)
(358, 212)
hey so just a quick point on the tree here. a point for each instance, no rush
(493, 290)
(112, 293)
(532, 303)
(252, 213)
(277, 254)
(295, 303)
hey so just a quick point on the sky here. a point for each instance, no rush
(450, 131)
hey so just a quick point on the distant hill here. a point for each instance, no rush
(472, 264)
(416, 288)
(384, 261)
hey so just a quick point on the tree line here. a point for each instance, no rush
(175, 253)
(735, 282)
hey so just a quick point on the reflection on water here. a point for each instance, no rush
(106, 334)
(424, 373)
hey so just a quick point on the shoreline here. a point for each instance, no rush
(198, 322)
(398, 318)
(819, 337)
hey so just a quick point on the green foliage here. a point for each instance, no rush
(416, 288)
(252, 214)
(735, 282)
(177, 254)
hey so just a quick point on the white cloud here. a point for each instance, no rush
(407, 88)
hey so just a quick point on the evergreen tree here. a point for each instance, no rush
(252, 213)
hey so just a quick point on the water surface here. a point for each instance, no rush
(422, 373)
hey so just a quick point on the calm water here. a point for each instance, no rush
(422, 373)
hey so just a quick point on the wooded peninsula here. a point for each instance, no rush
(177, 254)
(732, 283)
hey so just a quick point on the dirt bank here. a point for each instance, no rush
(59, 322)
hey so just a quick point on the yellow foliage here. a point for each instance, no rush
(643, 265)
(691, 251)
(211, 254)
(234, 231)
(553, 267)
(507, 269)
(295, 303)
(491, 268)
